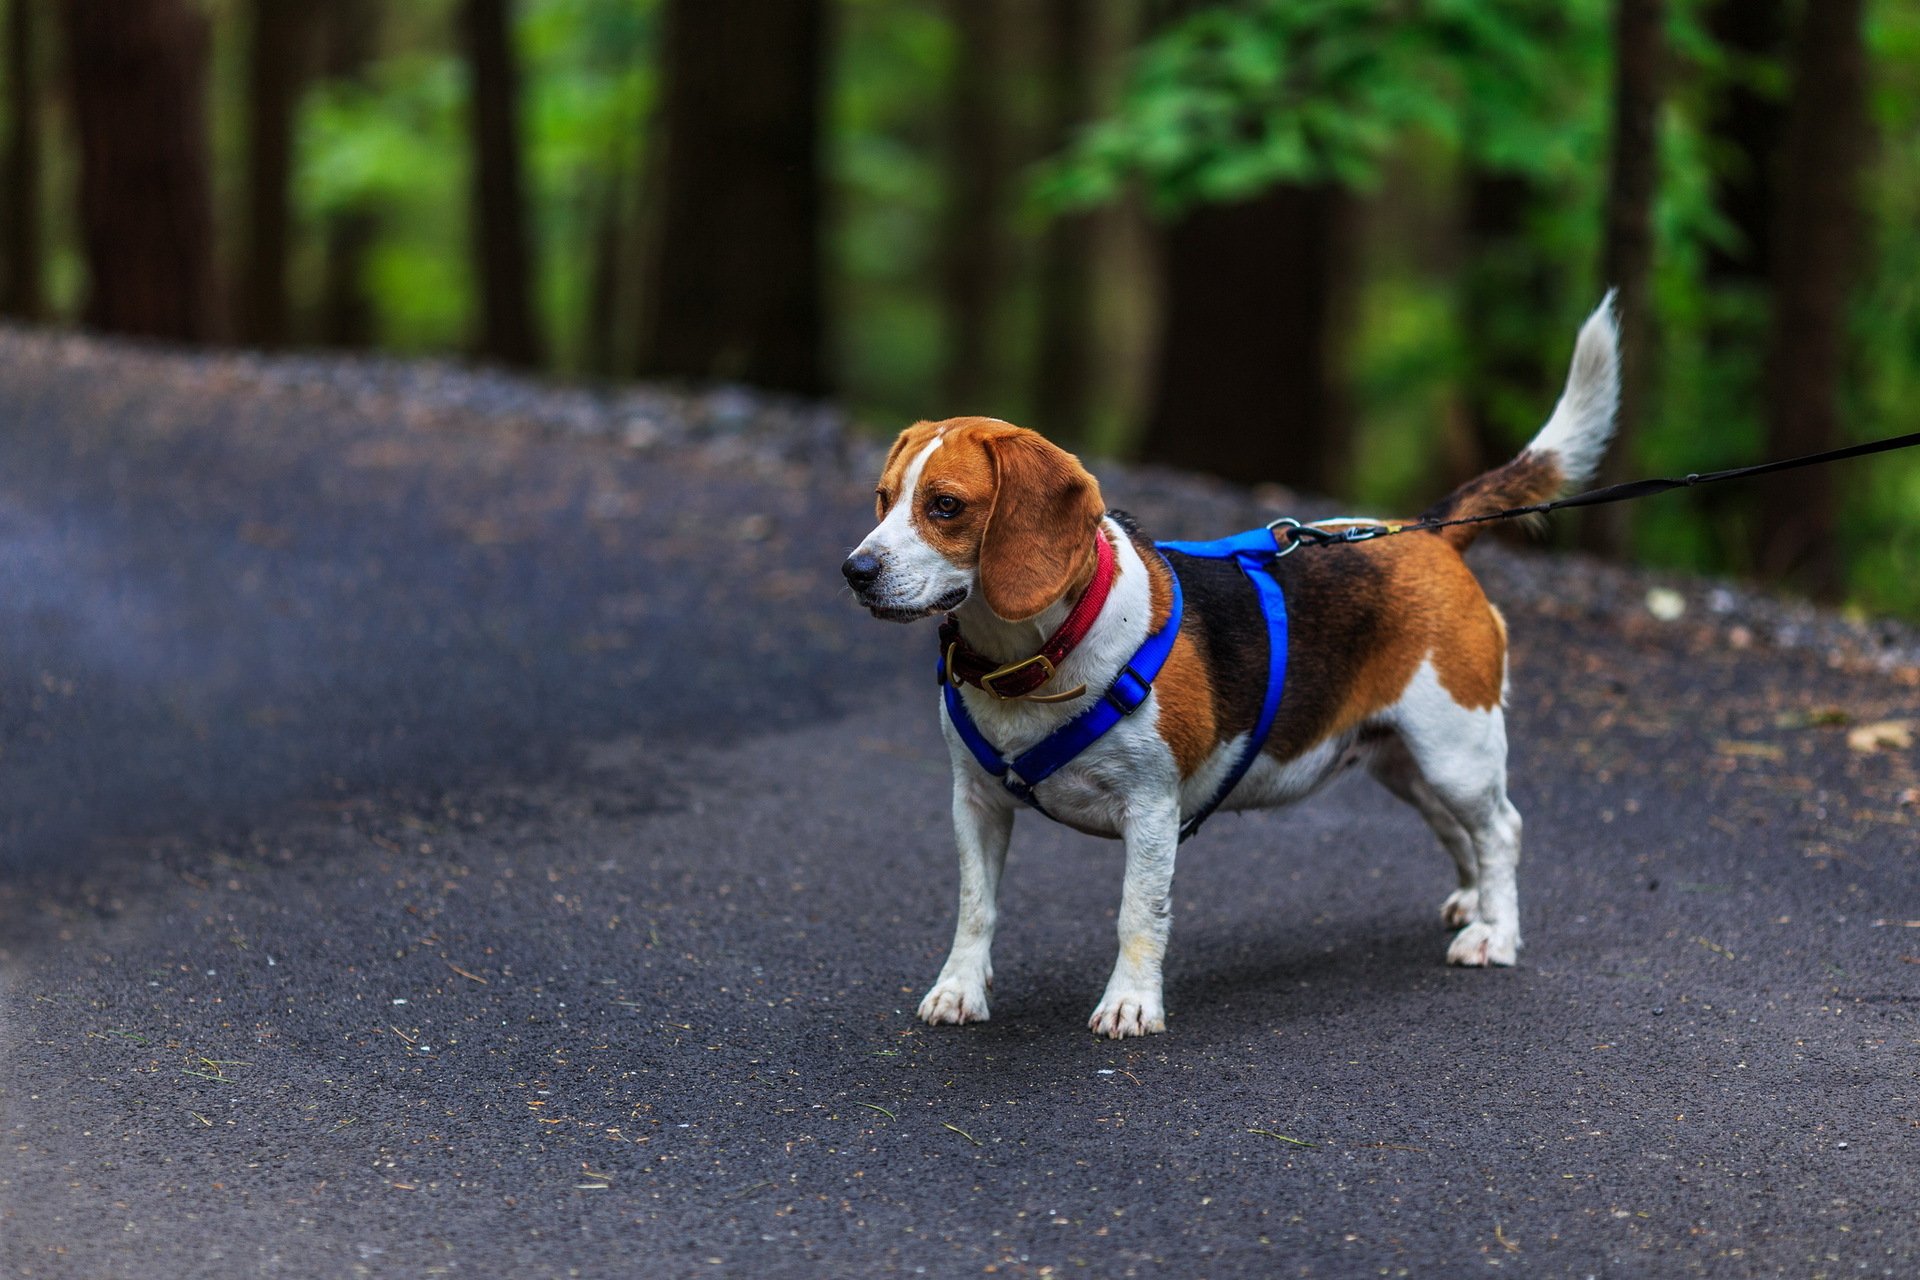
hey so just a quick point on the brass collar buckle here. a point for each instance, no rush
(1010, 669)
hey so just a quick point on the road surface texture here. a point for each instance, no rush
(454, 827)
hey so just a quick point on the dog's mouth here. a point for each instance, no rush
(895, 613)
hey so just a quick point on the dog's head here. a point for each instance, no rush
(974, 506)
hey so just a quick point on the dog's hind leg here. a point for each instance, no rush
(1459, 756)
(1392, 766)
(982, 827)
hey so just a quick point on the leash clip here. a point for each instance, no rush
(1303, 533)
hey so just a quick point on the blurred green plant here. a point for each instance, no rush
(1234, 98)
(396, 147)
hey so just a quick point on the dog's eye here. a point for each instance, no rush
(946, 506)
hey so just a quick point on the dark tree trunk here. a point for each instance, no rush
(1509, 289)
(1818, 221)
(735, 277)
(276, 70)
(1627, 256)
(21, 294)
(1248, 384)
(136, 72)
(1749, 126)
(1746, 129)
(502, 261)
(973, 248)
(346, 311)
(1063, 373)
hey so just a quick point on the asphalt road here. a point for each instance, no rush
(437, 845)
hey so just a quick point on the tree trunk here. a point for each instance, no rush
(1248, 384)
(1508, 290)
(973, 248)
(1746, 130)
(21, 293)
(276, 70)
(1063, 372)
(1627, 256)
(1818, 221)
(1749, 127)
(502, 262)
(137, 72)
(350, 38)
(735, 277)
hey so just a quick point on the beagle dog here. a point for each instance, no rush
(1397, 663)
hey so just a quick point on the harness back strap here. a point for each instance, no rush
(1254, 552)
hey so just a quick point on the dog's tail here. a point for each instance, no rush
(1568, 449)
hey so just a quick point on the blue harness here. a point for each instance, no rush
(1255, 552)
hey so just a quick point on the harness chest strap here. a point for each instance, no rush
(1254, 552)
(1122, 698)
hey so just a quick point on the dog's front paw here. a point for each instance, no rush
(1481, 945)
(1460, 909)
(954, 1000)
(1128, 1013)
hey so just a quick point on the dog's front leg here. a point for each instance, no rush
(1132, 1005)
(982, 825)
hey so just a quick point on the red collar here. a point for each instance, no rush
(1020, 679)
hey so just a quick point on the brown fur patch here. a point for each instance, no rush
(1364, 617)
(1184, 687)
(1530, 478)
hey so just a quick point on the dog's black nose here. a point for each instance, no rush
(862, 570)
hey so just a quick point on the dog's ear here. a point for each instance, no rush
(1045, 509)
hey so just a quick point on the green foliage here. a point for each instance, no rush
(590, 93)
(888, 192)
(1238, 97)
(395, 147)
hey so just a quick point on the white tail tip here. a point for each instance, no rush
(1582, 422)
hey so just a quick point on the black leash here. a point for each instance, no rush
(1312, 535)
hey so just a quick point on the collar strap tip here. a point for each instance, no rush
(1012, 669)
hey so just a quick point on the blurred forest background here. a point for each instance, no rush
(1340, 245)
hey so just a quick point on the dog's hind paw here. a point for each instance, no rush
(1120, 1016)
(955, 1003)
(1480, 946)
(1460, 908)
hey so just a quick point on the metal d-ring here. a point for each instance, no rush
(1293, 540)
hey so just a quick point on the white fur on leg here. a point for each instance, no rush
(1494, 937)
(1132, 1005)
(1453, 766)
(982, 826)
